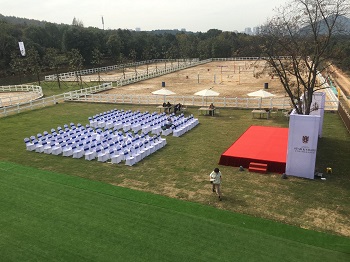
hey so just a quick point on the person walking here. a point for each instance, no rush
(215, 178)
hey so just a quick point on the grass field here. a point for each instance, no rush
(49, 211)
(49, 216)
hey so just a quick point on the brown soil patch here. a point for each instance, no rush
(326, 219)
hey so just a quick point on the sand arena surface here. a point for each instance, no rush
(229, 78)
(11, 98)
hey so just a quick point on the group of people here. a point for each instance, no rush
(168, 106)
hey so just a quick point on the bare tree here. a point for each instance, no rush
(96, 60)
(34, 63)
(55, 61)
(76, 61)
(18, 65)
(297, 43)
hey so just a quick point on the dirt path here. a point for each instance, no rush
(341, 79)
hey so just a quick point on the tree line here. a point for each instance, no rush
(56, 47)
(52, 46)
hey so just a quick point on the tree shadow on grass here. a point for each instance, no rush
(334, 152)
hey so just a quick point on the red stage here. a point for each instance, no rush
(259, 144)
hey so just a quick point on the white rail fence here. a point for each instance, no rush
(127, 78)
(133, 78)
(177, 63)
(195, 101)
(189, 101)
(89, 94)
(25, 93)
(52, 100)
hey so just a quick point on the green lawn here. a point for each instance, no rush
(52, 88)
(49, 216)
(179, 170)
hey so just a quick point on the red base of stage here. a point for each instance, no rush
(259, 144)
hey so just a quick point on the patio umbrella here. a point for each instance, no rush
(205, 93)
(262, 94)
(164, 92)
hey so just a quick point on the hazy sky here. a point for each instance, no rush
(193, 15)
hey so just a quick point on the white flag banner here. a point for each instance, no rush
(21, 48)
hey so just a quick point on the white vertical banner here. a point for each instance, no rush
(317, 106)
(302, 145)
(21, 48)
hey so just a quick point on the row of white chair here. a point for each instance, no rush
(125, 119)
(152, 124)
(185, 125)
(103, 142)
(130, 152)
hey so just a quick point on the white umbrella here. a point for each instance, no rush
(164, 92)
(261, 93)
(206, 93)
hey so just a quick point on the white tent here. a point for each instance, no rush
(206, 93)
(164, 92)
(261, 93)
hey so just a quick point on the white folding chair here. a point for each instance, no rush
(47, 147)
(129, 159)
(29, 145)
(90, 154)
(78, 152)
(103, 156)
(68, 150)
(56, 149)
(117, 157)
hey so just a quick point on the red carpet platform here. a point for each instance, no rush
(259, 144)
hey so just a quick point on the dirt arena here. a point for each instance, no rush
(229, 78)
(11, 98)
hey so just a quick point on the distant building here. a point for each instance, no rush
(183, 29)
(256, 30)
(137, 29)
(248, 31)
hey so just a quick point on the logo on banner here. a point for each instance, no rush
(305, 148)
(305, 139)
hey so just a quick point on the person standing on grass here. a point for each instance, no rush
(215, 179)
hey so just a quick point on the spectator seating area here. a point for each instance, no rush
(116, 136)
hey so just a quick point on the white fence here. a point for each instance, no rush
(69, 75)
(181, 64)
(52, 100)
(30, 93)
(221, 102)
(91, 94)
